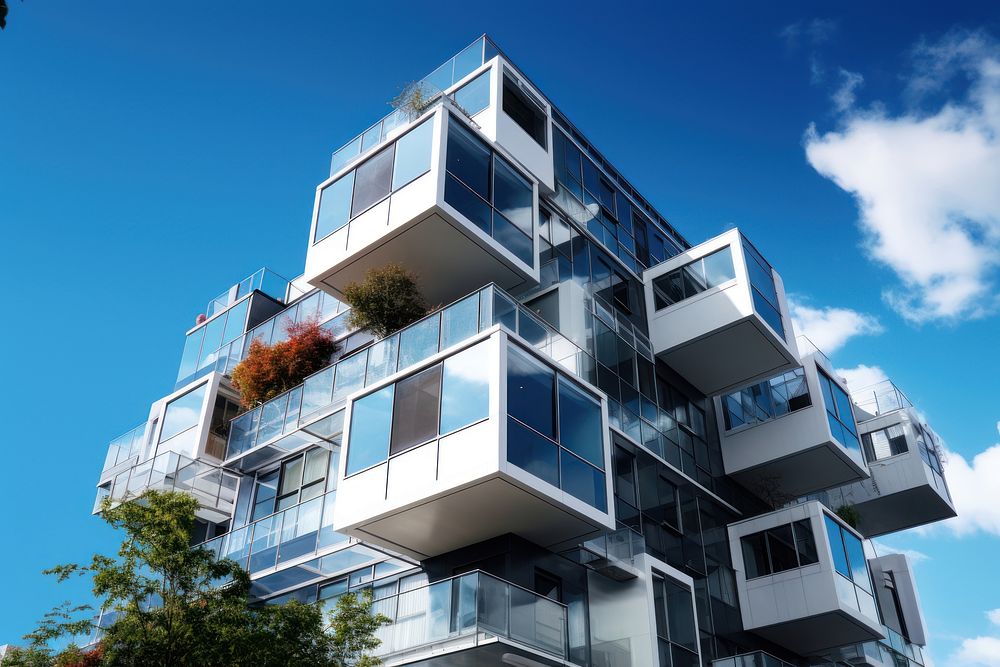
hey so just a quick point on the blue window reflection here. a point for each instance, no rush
(182, 413)
(533, 453)
(334, 206)
(371, 421)
(465, 388)
(474, 96)
(580, 424)
(413, 154)
(583, 481)
(530, 386)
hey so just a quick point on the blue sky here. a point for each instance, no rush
(155, 153)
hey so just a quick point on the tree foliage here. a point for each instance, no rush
(269, 370)
(385, 301)
(176, 606)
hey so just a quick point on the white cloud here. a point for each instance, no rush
(914, 556)
(994, 616)
(830, 328)
(925, 183)
(815, 32)
(844, 97)
(978, 651)
(861, 377)
(975, 491)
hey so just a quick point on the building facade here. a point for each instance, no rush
(607, 449)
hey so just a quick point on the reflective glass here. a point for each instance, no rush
(513, 239)
(236, 320)
(533, 453)
(582, 481)
(856, 558)
(382, 359)
(413, 154)
(350, 376)
(372, 181)
(371, 421)
(182, 413)
(189, 358)
(719, 267)
(465, 388)
(213, 340)
(334, 206)
(468, 159)
(468, 203)
(530, 387)
(415, 409)
(580, 428)
(468, 60)
(781, 546)
(418, 341)
(474, 96)
(755, 561)
(317, 391)
(833, 532)
(460, 321)
(805, 543)
(680, 616)
(512, 195)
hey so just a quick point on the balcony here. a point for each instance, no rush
(472, 619)
(803, 580)
(718, 315)
(907, 486)
(792, 434)
(471, 444)
(213, 487)
(124, 451)
(440, 194)
(313, 412)
(754, 659)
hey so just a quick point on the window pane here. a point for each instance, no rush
(291, 476)
(512, 195)
(372, 181)
(334, 206)
(755, 556)
(474, 96)
(236, 320)
(189, 358)
(833, 531)
(510, 237)
(580, 423)
(465, 393)
(680, 616)
(413, 154)
(267, 489)
(856, 557)
(719, 267)
(533, 453)
(317, 391)
(182, 413)
(524, 111)
(583, 481)
(382, 359)
(350, 376)
(530, 387)
(415, 409)
(468, 203)
(781, 545)
(459, 321)
(805, 543)
(316, 464)
(371, 420)
(468, 159)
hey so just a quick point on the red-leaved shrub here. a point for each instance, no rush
(269, 370)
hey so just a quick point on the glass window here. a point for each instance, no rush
(885, 442)
(459, 321)
(236, 320)
(533, 453)
(382, 358)
(350, 376)
(523, 110)
(372, 181)
(468, 203)
(468, 159)
(693, 278)
(418, 341)
(755, 561)
(334, 206)
(192, 350)
(781, 546)
(512, 195)
(413, 154)
(583, 481)
(833, 532)
(680, 615)
(580, 423)
(805, 543)
(415, 409)
(465, 388)
(474, 96)
(512, 238)
(371, 421)
(766, 400)
(530, 391)
(856, 559)
(182, 413)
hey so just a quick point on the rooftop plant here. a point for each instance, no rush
(385, 301)
(269, 370)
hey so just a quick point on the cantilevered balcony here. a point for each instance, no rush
(792, 434)
(907, 486)
(802, 579)
(213, 487)
(718, 316)
(440, 200)
(484, 439)
(472, 619)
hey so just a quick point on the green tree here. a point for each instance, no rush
(178, 606)
(385, 301)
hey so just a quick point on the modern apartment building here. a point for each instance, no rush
(607, 449)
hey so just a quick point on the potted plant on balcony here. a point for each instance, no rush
(385, 301)
(269, 370)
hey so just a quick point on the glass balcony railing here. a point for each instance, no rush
(264, 280)
(213, 487)
(125, 447)
(298, 531)
(465, 611)
(880, 398)
(445, 76)
(754, 659)
(806, 346)
(326, 391)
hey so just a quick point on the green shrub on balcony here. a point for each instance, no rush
(385, 301)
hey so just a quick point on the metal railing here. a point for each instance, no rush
(753, 659)
(455, 69)
(467, 610)
(263, 279)
(880, 398)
